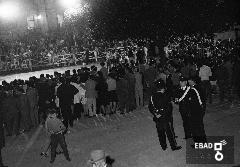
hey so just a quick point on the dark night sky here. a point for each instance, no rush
(147, 17)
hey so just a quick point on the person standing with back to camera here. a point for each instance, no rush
(180, 98)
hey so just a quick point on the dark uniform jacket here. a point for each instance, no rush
(2, 139)
(161, 102)
(183, 105)
(11, 106)
(66, 93)
(194, 103)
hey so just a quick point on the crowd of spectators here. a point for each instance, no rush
(124, 81)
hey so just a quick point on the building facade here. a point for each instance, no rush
(38, 15)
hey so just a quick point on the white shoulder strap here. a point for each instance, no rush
(199, 99)
(184, 95)
(152, 102)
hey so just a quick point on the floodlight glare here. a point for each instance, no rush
(77, 10)
(39, 17)
(69, 3)
(8, 10)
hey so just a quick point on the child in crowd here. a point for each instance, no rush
(56, 129)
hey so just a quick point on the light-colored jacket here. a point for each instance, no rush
(204, 73)
(80, 95)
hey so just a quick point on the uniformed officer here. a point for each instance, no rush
(197, 112)
(55, 128)
(183, 106)
(160, 106)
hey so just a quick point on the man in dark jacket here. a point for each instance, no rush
(65, 93)
(122, 93)
(196, 112)
(11, 110)
(2, 139)
(131, 89)
(160, 106)
(180, 97)
(44, 94)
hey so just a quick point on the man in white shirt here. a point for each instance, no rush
(205, 73)
(145, 52)
(77, 101)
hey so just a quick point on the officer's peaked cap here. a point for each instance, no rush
(160, 84)
(195, 79)
(183, 78)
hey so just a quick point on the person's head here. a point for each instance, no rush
(160, 85)
(67, 73)
(102, 64)
(30, 84)
(20, 90)
(137, 69)
(151, 62)
(74, 71)
(52, 113)
(62, 80)
(55, 73)
(100, 74)
(42, 76)
(4, 83)
(183, 82)
(9, 93)
(111, 75)
(193, 81)
(47, 76)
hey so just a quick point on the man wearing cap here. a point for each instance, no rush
(183, 105)
(197, 112)
(98, 159)
(161, 107)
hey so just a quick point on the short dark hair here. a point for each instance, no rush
(51, 111)
(62, 80)
(160, 84)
